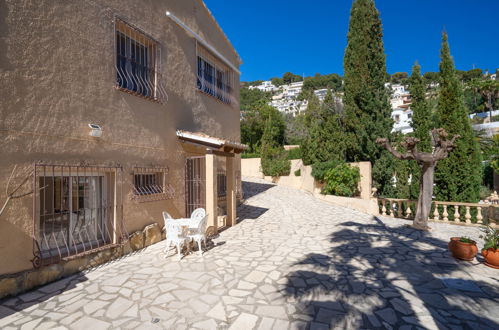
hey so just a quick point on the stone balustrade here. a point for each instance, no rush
(446, 212)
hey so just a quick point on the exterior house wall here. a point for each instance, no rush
(58, 74)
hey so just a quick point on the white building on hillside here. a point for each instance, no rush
(285, 100)
(402, 120)
(321, 94)
(292, 90)
(399, 95)
(265, 86)
(486, 122)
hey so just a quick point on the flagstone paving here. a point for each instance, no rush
(292, 262)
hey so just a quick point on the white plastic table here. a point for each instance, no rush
(183, 222)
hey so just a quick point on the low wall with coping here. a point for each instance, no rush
(250, 167)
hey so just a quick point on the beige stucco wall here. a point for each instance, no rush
(57, 75)
(365, 184)
(364, 203)
(250, 167)
(369, 206)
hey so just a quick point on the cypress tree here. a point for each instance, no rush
(422, 121)
(273, 156)
(457, 177)
(325, 137)
(367, 107)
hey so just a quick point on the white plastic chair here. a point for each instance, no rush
(197, 229)
(166, 218)
(176, 235)
(197, 214)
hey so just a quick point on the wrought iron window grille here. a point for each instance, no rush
(214, 77)
(138, 63)
(222, 184)
(77, 210)
(195, 184)
(149, 184)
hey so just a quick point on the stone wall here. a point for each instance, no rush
(14, 284)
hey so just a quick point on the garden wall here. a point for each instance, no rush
(250, 167)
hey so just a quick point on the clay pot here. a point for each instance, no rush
(491, 258)
(461, 250)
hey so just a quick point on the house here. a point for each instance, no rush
(485, 122)
(321, 93)
(265, 86)
(293, 90)
(399, 95)
(112, 112)
(402, 120)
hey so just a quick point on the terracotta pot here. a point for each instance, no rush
(461, 250)
(491, 258)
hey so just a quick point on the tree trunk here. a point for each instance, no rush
(425, 196)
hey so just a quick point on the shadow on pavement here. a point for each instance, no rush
(382, 277)
(11, 305)
(251, 189)
(249, 212)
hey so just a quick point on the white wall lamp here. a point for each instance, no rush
(95, 130)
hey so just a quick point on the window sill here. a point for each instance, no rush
(229, 104)
(153, 197)
(148, 98)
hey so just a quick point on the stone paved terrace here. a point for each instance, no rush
(292, 262)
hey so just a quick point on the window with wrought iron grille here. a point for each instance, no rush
(214, 77)
(137, 62)
(150, 184)
(75, 211)
(222, 184)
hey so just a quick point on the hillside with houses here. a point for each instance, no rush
(292, 98)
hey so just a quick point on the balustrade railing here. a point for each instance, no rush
(446, 212)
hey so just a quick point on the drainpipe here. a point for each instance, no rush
(202, 41)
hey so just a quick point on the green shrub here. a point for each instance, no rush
(298, 172)
(294, 154)
(342, 180)
(250, 155)
(465, 239)
(274, 162)
(319, 169)
(495, 165)
(490, 237)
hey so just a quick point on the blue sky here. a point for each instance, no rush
(305, 37)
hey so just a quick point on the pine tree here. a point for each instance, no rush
(458, 177)
(366, 99)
